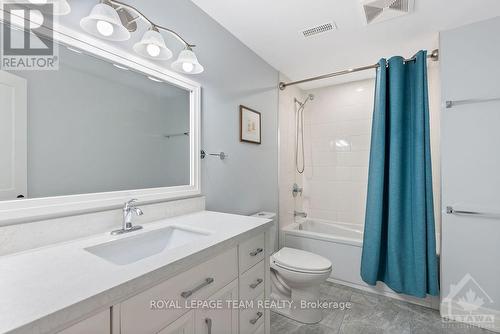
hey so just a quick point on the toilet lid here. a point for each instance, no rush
(300, 260)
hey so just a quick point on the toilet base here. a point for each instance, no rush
(298, 311)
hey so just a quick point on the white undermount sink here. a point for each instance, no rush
(136, 247)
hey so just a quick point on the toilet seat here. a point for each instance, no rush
(301, 261)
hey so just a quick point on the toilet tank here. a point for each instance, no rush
(273, 235)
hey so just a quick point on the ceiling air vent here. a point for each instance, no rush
(383, 10)
(318, 29)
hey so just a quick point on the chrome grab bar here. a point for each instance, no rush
(208, 321)
(451, 211)
(451, 104)
(256, 284)
(206, 282)
(254, 320)
(256, 252)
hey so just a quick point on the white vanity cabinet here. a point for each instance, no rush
(183, 325)
(97, 324)
(252, 282)
(209, 274)
(236, 274)
(141, 314)
(221, 321)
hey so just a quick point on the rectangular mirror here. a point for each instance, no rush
(92, 126)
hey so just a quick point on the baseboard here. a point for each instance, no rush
(379, 289)
(453, 311)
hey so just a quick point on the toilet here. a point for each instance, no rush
(296, 276)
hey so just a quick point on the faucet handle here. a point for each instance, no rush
(129, 203)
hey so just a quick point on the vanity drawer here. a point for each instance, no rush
(251, 252)
(252, 282)
(252, 318)
(137, 314)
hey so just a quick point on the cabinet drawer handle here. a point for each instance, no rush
(208, 321)
(254, 320)
(256, 252)
(257, 282)
(207, 281)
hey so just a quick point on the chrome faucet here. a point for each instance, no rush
(128, 209)
(299, 214)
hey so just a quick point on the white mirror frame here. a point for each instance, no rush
(20, 211)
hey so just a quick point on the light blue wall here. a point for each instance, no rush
(234, 75)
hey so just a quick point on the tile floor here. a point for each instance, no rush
(371, 314)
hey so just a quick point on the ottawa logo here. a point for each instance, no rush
(468, 303)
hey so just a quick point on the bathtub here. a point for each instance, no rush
(342, 244)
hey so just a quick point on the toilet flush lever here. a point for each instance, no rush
(257, 283)
(258, 316)
(256, 252)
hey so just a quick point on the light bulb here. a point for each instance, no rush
(153, 50)
(187, 67)
(105, 28)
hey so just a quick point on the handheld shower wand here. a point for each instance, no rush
(299, 127)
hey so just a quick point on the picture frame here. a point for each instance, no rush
(250, 125)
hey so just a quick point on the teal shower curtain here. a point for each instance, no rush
(399, 246)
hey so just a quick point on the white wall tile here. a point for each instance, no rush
(328, 215)
(360, 142)
(359, 174)
(353, 159)
(323, 158)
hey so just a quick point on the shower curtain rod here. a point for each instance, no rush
(434, 55)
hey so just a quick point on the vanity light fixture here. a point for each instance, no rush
(152, 45)
(104, 22)
(187, 62)
(115, 20)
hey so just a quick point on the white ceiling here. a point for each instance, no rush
(271, 29)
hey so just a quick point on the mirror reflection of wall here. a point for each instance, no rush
(92, 127)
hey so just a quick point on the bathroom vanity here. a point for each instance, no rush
(105, 128)
(155, 280)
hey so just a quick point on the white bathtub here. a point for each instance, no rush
(341, 243)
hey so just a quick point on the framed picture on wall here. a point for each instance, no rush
(250, 125)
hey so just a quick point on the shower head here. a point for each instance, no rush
(309, 97)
